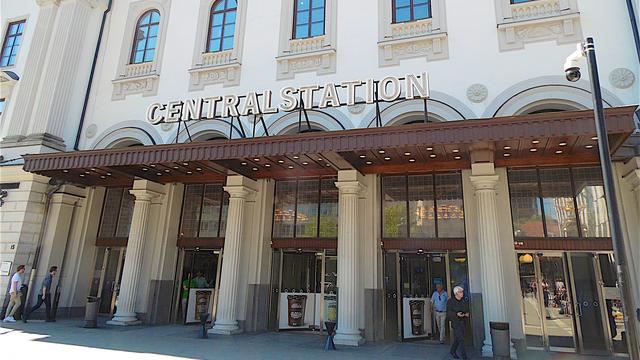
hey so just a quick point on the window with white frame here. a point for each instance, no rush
(307, 37)
(528, 21)
(411, 29)
(11, 44)
(141, 50)
(218, 47)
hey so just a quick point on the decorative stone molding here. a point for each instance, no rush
(221, 67)
(91, 131)
(539, 20)
(140, 78)
(316, 53)
(477, 93)
(622, 78)
(422, 38)
(357, 108)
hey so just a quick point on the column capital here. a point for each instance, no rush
(48, 2)
(350, 187)
(484, 182)
(145, 194)
(239, 192)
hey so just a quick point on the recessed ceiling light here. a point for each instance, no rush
(290, 166)
(363, 156)
(267, 165)
(533, 149)
(280, 161)
(407, 154)
(159, 173)
(319, 159)
(412, 160)
(189, 172)
(185, 164)
(244, 163)
(256, 159)
(296, 157)
(198, 169)
(381, 151)
(254, 168)
(93, 169)
(562, 144)
(456, 150)
(87, 172)
(65, 171)
(387, 158)
(153, 165)
(558, 151)
(144, 169)
(327, 165)
(369, 163)
(432, 156)
(305, 163)
(594, 138)
(167, 170)
(82, 175)
(507, 147)
(589, 146)
(108, 174)
(535, 141)
(457, 157)
(102, 177)
(176, 167)
(429, 148)
(506, 154)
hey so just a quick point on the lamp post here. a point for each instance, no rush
(587, 49)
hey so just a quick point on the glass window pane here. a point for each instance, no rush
(525, 203)
(219, 5)
(139, 56)
(228, 30)
(328, 209)
(17, 40)
(153, 30)
(421, 205)
(110, 209)
(10, 42)
(307, 210)
(317, 29)
(302, 31)
(394, 217)
(191, 204)
(227, 43)
(592, 205)
(214, 45)
(231, 4)
(12, 59)
(403, 14)
(450, 206)
(231, 17)
(151, 43)
(217, 19)
(420, 12)
(216, 32)
(21, 27)
(149, 55)
(225, 212)
(146, 19)
(317, 15)
(155, 17)
(303, 4)
(284, 209)
(126, 214)
(210, 216)
(401, 3)
(558, 206)
(302, 18)
(13, 29)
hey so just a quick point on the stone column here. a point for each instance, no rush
(484, 181)
(143, 192)
(348, 331)
(227, 315)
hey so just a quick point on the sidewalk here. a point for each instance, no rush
(67, 338)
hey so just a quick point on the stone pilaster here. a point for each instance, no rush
(144, 191)
(348, 331)
(227, 315)
(495, 308)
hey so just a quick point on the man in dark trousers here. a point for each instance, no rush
(44, 296)
(457, 312)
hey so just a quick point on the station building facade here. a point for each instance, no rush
(282, 164)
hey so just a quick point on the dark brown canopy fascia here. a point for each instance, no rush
(323, 153)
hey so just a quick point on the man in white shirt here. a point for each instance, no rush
(15, 294)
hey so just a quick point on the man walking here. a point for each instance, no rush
(439, 306)
(45, 295)
(15, 294)
(457, 311)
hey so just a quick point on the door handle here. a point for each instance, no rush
(580, 308)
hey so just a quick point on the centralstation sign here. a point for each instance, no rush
(257, 104)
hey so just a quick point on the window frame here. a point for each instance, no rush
(146, 40)
(411, 15)
(310, 12)
(224, 199)
(7, 36)
(224, 13)
(125, 191)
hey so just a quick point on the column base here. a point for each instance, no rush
(124, 321)
(350, 339)
(230, 328)
(487, 350)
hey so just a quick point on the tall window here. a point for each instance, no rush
(204, 211)
(146, 37)
(12, 41)
(422, 206)
(411, 10)
(2, 104)
(306, 208)
(308, 18)
(558, 203)
(117, 212)
(222, 25)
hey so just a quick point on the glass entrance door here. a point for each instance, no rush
(106, 278)
(546, 302)
(199, 284)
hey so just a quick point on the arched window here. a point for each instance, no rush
(308, 18)
(145, 41)
(222, 25)
(411, 10)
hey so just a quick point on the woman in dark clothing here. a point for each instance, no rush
(457, 312)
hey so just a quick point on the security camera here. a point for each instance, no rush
(571, 65)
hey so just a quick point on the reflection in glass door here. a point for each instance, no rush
(106, 278)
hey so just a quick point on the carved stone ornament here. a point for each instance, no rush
(91, 131)
(622, 78)
(166, 126)
(477, 93)
(357, 108)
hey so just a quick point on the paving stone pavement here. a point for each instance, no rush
(67, 339)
